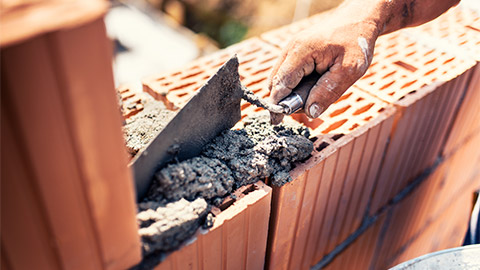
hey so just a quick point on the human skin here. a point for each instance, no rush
(340, 47)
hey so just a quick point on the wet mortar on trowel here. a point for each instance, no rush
(182, 194)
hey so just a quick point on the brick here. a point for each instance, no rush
(67, 110)
(466, 121)
(237, 239)
(456, 30)
(359, 253)
(324, 186)
(454, 178)
(175, 88)
(426, 86)
(131, 101)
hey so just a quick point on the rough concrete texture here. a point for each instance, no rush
(165, 227)
(199, 177)
(141, 128)
(253, 153)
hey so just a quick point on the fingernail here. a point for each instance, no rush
(314, 110)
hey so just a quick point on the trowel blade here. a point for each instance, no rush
(213, 109)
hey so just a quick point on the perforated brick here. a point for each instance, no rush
(403, 66)
(131, 101)
(175, 88)
(458, 29)
(237, 239)
(329, 188)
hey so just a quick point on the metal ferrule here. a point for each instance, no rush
(292, 103)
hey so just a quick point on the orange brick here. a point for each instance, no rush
(325, 185)
(237, 239)
(359, 254)
(175, 88)
(65, 118)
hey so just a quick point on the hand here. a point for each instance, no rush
(338, 48)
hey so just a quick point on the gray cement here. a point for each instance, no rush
(261, 150)
(165, 227)
(199, 177)
(141, 128)
(177, 203)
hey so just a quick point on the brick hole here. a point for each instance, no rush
(191, 75)
(381, 110)
(336, 137)
(182, 86)
(218, 65)
(252, 51)
(463, 42)
(411, 44)
(242, 78)
(449, 60)
(391, 93)
(321, 146)
(257, 81)
(176, 73)
(206, 77)
(373, 64)
(248, 68)
(430, 61)
(345, 96)
(340, 111)
(182, 95)
(244, 106)
(410, 54)
(247, 61)
(360, 99)
(258, 109)
(363, 109)
(405, 66)
(408, 84)
(472, 28)
(385, 86)
(260, 71)
(389, 74)
(354, 126)
(430, 72)
(268, 59)
(429, 52)
(266, 95)
(310, 123)
(335, 126)
(368, 118)
(390, 55)
(369, 74)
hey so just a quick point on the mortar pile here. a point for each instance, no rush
(235, 158)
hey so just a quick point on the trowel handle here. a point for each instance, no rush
(296, 100)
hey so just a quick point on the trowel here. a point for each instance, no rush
(215, 107)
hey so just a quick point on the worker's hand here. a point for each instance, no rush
(338, 49)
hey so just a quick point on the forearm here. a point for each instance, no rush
(392, 15)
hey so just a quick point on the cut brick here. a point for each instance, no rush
(237, 239)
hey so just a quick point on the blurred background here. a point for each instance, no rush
(152, 36)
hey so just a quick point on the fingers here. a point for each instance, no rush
(297, 63)
(330, 87)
